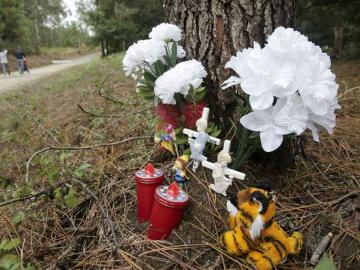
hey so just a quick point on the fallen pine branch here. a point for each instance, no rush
(46, 131)
(324, 243)
(77, 148)
(101, 88)
(105, 216)
(99, 115)
(112, 115)
(33, 196)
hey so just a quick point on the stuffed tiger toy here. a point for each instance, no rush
(254, 232)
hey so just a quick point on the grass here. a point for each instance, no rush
(58, 50)
(54, 235)
(63, 51)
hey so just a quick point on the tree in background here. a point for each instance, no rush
(36, 23)
(72, 34)
(333, 24)
(118, 23)
(46, 17)
(13, 24)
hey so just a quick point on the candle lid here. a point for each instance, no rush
(181, 197)
(149, 172)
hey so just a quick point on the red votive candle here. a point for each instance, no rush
(167, 212)
(147, 180)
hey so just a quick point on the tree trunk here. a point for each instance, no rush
(214, 30)
(102, 44)
(338, 41)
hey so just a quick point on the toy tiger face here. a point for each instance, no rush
(255, 209)
(254, 233)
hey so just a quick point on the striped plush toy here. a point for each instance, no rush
(254, 232)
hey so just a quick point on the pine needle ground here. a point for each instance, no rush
(318, 195)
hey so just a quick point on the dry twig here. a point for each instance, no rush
(76, 148)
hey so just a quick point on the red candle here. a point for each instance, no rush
(147, 180)
(167, 211)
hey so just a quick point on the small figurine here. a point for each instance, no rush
(165, 135)
(179, 168)
(197, 145)
(220, 170)
(254, 233)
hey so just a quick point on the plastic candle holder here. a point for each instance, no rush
(147, 180)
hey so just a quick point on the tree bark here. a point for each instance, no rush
(338, 41)
(214, 30)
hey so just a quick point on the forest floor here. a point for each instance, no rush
(86, 198)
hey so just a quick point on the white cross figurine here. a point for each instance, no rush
(198, 140)
(220, 170)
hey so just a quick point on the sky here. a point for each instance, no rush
(70, 4)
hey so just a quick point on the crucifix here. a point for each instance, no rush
(220, 170)
(198, 140)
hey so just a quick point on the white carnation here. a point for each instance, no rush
(287, 41)
(142, 53)
(293, 73)
(178, 80)
(166, 32)
(241, 65)
(261, 77)
(287, 116)
(318, 87)
(326, 121)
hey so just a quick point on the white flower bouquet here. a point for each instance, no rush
(174, 86)
(146, 60)
(289, 88)
(181, 86)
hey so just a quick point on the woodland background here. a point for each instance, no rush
(333, 24)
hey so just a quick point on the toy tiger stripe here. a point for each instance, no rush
(254, 233)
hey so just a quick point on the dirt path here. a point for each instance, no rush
(15, 80)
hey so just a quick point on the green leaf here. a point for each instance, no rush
(187, 152)
(64, 156)
(216, 132)
(30, 267)
(167, 56)
(71, 198)
(79, 172)
(57, 193)
(7, 244)
(160, 68)
(149, 79)
(178, 131)
(200, 96)
(23, 191)
(146, 95)
(325, 263)
(181, 139)
(52, 176)
(10, 262)
(44, 160)
(210, 128)
(18, 217)
(200, 89)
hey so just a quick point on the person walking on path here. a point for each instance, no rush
(4, 62)
(19, 54)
